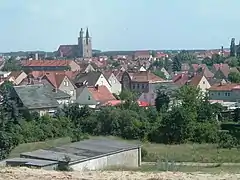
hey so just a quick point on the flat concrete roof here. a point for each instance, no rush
(81, 151)
(31, 162)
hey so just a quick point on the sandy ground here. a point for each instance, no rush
(33, 174)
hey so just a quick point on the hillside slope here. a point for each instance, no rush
(34, 174)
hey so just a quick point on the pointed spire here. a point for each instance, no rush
(81, 33)
(87, 34)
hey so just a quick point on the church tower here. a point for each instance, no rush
(85, 44)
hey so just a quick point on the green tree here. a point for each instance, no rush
(232, 48)
(234, 77)
(162, 100)
(232, 61)
(176, 66)
(11, 65)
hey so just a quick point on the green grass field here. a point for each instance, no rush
(178, 153)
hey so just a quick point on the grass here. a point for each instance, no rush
(38, 145)
(202, 153)
(179, 153)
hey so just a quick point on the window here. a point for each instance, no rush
(64, 83)
(219, 94)
(138, 86)
(228, 94)
(133, 86)
(67, 83)
(143, 86)
(71, 92)
(89, 98)
(203, 82)
(114, 81)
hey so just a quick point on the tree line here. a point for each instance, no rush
(180, 116)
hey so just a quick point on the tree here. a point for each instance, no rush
(232, 61)
(232, 48)
(162, 100)
(176, 66)
(208, 61)
(234, 77)
(11, 65)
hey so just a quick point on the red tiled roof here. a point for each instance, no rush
(46, 62)
(180, 79)
(66, 50)
(196, 80)
(102, 94)
(143, 103)
(225, 87)
(55, 79)
(144, 76)
(70, 74)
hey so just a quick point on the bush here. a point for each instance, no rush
(144, 153)
(226, 140)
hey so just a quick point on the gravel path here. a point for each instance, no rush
(33, 174)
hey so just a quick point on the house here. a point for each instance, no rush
(166, 73)
(85, 98)
(116, 86)
(200, 68)
(139, 81)
(86, 67)
(226, 92)
(221, 71)
(180, 79)
(101, 94)
(151, 95)
(50, 65)
(39, 98)
(56, 79)
(62, 82)
(16, 77)
(142, 55)
(90, 154)
(201, 82)
(142, 68)
(92, 79)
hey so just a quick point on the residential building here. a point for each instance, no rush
(201, 82)
(166, 73)
(116, 86)
(101, 94)
(16, 77)
(151, 95)
(39, 98)
(139, 81)
(57, 80)
(225, 91)
(50, 65)
(92, 79)
(85, 97)
(83, 49)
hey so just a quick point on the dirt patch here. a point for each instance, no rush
(34, 174)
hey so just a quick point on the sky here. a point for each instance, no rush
(29, 25)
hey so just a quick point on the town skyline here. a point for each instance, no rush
(162, 25)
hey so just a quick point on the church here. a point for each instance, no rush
(81, 50)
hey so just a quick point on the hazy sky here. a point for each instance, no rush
(118, 24)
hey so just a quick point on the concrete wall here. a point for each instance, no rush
(131, 158)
